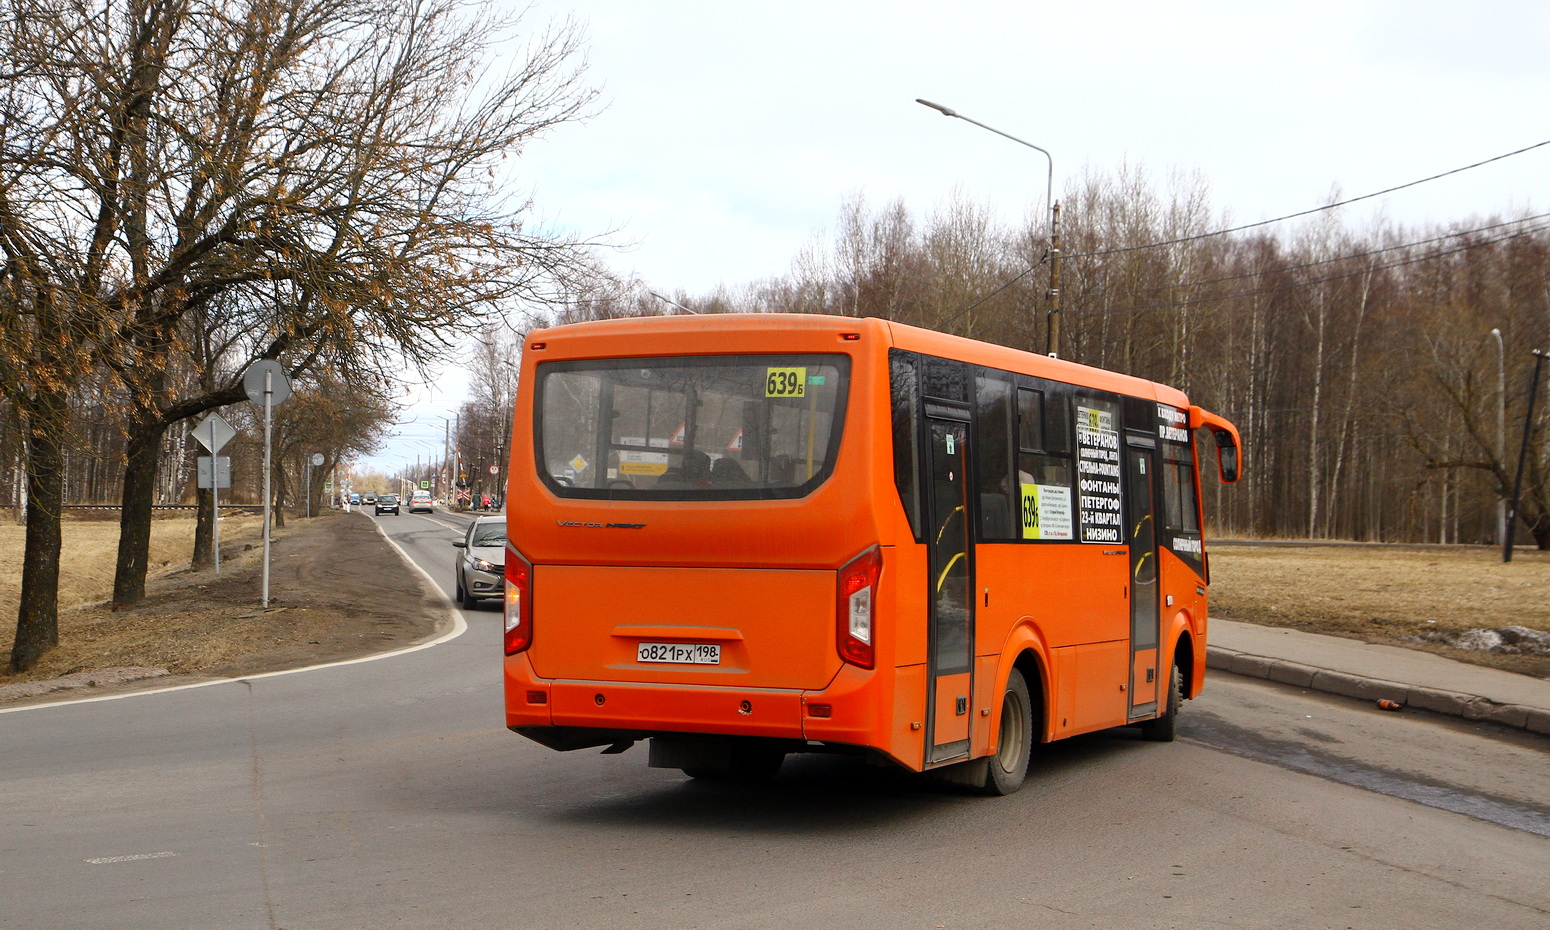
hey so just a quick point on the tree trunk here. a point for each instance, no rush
(277, 501)
(204, 531)
(134, 524)
(37, 616)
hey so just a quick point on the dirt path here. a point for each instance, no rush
(339, 591)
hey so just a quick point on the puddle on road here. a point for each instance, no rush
(1214, 732)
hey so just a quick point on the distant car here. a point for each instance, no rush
(355, 498)
(481, 572)
(421, 502)
(387, 503)
(370, 498)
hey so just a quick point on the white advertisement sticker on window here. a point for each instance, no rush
(1046, 512)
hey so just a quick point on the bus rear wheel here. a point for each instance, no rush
(1008, 768)
(1165, 728)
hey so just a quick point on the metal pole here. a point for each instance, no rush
(268, 406)
(1052, 343)
(215, 508)
(1517, 484)
(1501, 429)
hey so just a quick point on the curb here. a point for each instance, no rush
(1344, 684)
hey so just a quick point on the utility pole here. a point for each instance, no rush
(1528, 428)
(1052, 345)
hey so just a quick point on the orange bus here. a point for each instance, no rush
(742, 536)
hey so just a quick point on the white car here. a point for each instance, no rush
(421, 502)
(481, 571)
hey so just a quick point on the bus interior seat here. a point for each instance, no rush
(727, 472)
(995, 517)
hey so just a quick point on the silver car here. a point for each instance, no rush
(481, 572)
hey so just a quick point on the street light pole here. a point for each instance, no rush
(1052, 344)
(1501, 430)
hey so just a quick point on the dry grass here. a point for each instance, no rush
(90, 549)
(1388, 594)
(333, 582)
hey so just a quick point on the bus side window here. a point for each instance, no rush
(1181, 510)
(1043, 454)
(999, 494)
(904, 397)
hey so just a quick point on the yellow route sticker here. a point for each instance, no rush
(785, 382)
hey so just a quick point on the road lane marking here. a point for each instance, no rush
(107, 860)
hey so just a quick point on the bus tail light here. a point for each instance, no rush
(519, 602)
(856, 633)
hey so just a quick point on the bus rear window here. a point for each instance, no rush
(701, 428)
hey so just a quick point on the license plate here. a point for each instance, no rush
(679, 653)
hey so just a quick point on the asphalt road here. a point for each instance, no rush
(387, 793)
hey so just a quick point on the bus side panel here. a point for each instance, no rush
(906, 742)
(1188, 601)
(1077, 597)
(1089, 693)
(987, 697)
(904, 575)
(1076, 593)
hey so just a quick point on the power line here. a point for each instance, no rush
(1223, 232)
(1301, 284)
(1310, 212)
(1349, 256)
(1025, 273)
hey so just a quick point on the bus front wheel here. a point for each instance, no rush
(1165, 728)
(1006, 770)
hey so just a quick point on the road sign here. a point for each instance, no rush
(221, 472)
(495, 469)
(279, 382)
(317, 458)
(213, 432)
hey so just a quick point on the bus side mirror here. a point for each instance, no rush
(1227, 455)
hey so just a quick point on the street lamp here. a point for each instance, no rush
(1501, 430)
(673, 303)
(1052, 344)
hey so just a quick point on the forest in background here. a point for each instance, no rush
(1379, 376)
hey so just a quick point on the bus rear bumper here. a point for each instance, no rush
(566, 714)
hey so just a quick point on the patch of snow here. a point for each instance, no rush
(1507, 640)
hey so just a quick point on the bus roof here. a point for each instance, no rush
(676, 335)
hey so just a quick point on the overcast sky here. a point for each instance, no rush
(729, 134)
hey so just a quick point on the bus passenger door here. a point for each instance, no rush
(1141, 535)
(951, 597)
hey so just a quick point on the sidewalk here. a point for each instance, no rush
(1352, 668)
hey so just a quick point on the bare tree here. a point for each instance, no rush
(318, 178)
